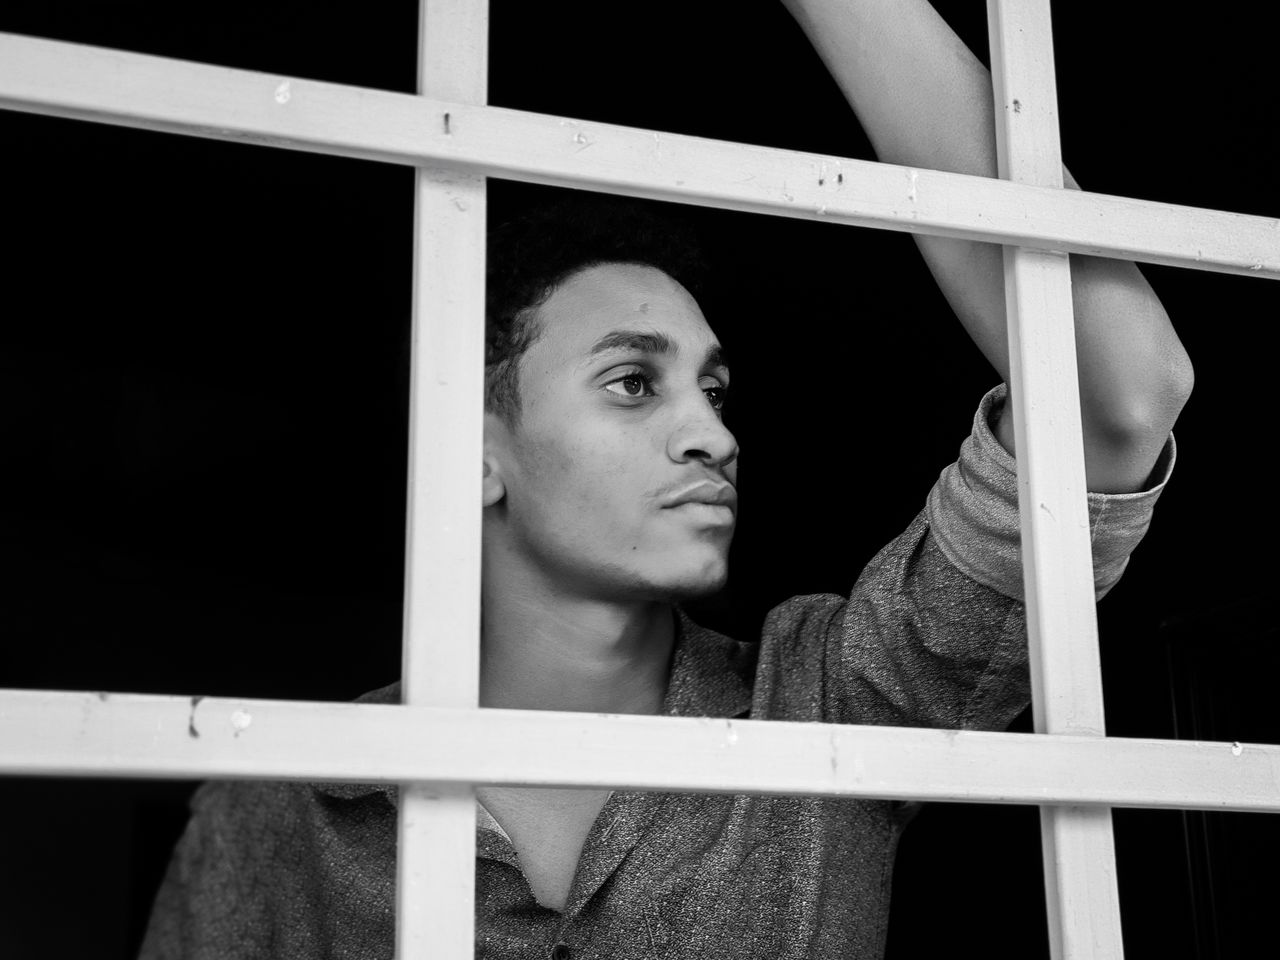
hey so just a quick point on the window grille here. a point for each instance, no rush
(439, 745)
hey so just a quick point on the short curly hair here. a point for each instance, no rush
(531, 256)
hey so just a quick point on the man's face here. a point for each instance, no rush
(617, 480)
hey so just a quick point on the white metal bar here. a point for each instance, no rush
(48, 733)
(110, 86)
(1081, 889)
(1057, 553)
(435, 866)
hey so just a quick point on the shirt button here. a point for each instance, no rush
(561, 951)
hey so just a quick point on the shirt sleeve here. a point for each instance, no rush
(934, 632)
(973, 511)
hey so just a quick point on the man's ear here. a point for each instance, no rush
(496, 446)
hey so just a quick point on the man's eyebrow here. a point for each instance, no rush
(657, 342)
(638, 340)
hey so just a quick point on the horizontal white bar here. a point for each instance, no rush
(110, 86)
(51, 733)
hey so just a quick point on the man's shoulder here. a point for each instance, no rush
(273, 807)
(391, 693)
(253, 808)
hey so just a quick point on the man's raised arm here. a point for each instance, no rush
(925, 100)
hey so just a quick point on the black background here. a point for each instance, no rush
(204, 416)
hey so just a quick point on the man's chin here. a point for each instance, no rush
(701, 582)
(667, 574)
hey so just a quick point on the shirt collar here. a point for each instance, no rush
(710, 677)
(710, 674)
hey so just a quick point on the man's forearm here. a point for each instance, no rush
(925, 100)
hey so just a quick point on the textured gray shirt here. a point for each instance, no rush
(932, 634)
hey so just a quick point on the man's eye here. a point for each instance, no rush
(632, 385)
(714, 391)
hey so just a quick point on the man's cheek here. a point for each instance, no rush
(553, 469)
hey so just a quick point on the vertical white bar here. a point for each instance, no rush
(1079, 849)
(435, 884)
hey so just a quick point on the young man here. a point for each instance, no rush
(609, 491)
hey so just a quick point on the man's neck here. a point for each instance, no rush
(555, 652)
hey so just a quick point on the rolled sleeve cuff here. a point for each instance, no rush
(973, 511)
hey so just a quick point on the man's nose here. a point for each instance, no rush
(701, 435)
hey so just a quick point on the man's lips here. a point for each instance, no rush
(715, 492)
